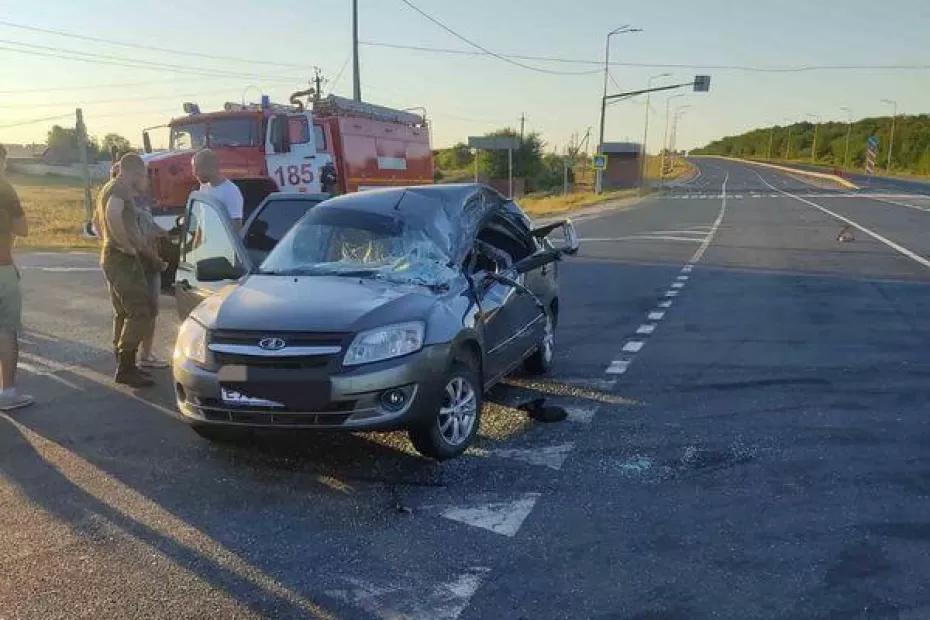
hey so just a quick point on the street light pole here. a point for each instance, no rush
(598, 182)
(357, 80)
(668, 104)
(814, 146)
(894, 117)
(673, 140)
(644, 153)
(848, 133)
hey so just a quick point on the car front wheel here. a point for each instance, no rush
(540, 362)
(455, 425)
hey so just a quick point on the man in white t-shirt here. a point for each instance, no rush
(207, 170)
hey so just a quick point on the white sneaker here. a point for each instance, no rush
(152, 362)
(9, 402)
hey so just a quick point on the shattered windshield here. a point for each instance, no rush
(344, 242)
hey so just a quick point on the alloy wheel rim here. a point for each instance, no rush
(458, 411)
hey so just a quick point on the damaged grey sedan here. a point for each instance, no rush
(382, 310)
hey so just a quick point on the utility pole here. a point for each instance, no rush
(644, 152)
(598, 182)
(848, 133)
(522, 126)
(357, 84)
(788, 142)
(80, 131)
(317, 84)
(818, 118)
(771, 140)
(668, 103)
(894, 117)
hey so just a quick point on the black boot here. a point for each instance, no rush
(141, 371)
(128, 374)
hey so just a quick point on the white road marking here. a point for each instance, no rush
(678, 284)
(655, 316)
(671, 293)
(581, 415)
(552, 457)
(60, 269)
(646, 328)
(713, 230)
(891, 244)
(633, 346)
(665, 304)
(504, 518)
(618, 367)
(643, 237)
(445, 601)
(895, 202)
(687, 268)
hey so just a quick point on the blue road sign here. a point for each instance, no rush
(599, 162)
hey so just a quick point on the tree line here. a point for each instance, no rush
(911, 149)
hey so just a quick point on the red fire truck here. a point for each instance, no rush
(339, 146)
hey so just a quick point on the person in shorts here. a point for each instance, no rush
(12, 224)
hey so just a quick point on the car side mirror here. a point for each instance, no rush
(217, 269)
(570, 244)
(537, 260)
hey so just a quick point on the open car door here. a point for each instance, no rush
(212, 254)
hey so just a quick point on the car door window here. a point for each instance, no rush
(207, 236)
(270, 224)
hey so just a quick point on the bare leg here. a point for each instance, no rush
(9, 357)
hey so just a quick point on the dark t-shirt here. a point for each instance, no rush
(10, 209)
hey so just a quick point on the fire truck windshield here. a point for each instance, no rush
(223, 132)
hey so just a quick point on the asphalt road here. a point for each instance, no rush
(748, 438)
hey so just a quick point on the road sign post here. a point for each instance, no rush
(496, 143)
(871, 153)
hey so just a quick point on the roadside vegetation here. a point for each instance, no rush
(54, 207)
(911, 154)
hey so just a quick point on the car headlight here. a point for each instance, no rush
(191, 343)
(384, 343)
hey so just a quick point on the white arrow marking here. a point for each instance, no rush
(552, 457)
(445, 601)
(581, 415)
(504, 518)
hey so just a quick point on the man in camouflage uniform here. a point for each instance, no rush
(124, 254)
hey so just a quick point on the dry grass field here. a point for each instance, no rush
(54, 207)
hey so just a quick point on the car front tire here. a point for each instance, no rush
(455, 424)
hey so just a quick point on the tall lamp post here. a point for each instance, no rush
(621, 30)
(668, 104)
(894, 117)
(644, 152)
(848, 133)
(673, 139)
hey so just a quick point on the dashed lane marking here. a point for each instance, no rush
(671, 293)
(655, 316)
(665, 304)
(633, 346)
(678, 284)
(618, 367)
(646, 328)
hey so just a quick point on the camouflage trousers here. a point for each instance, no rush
(129, 293)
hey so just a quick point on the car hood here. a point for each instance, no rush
(316, 304)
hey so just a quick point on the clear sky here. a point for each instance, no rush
(470, 94)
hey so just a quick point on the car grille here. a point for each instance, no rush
(335, 414)
(301, 362)
(293, 339)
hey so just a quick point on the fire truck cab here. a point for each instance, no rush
(341, 146)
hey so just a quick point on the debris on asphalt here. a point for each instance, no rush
(539, 411)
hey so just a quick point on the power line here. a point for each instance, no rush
(35, 120)
(104, 101)
(166, 50)
(506, 59)
(644, 65)
(105, 59)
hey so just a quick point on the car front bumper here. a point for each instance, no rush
(346, 400)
